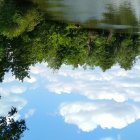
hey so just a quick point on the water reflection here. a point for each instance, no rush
(101, 14)
(28, 38)
(77, 60)
(67, 46)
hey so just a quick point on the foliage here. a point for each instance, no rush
(118, 16)
(28, 37)
(14, 20)
(11, 129)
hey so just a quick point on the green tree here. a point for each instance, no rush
(11, 129)
(28, 36)
(17, 18)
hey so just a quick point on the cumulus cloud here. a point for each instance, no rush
(89, 116)
(17, 89)
(114, 84)
(8, 78)
(9, 99)
(11, 94)
(29, 113)
(7, 102)
(45, 72)
(4, 91)
(30, 80)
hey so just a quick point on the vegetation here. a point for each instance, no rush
(11, 129)
(27, 37)
(118, 15)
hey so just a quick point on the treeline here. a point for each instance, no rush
(27, 37)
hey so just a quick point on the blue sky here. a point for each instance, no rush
(76, 104)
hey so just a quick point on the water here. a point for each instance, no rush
(69, 70)
(118, 14)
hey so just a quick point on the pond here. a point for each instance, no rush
(69, 69)
(118, 14)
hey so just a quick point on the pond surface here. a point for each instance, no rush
(120, 14)
(70, 70)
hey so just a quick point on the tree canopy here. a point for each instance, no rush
(11, 129)
(28, 36)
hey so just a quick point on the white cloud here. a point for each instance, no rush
(17, 89)
(30, 80)
(29, 113)
(44, 72)
(8, 78)
(107, 138)
(111, 138)
(9, 99)
(114, 84)
(37, 69)
(7, 102)
(89, 116)
(4, 91)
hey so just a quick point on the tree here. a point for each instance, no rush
(28, 36)
(18, 17)
(11, 129)
(117, 16)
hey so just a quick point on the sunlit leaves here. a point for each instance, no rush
(28, 37)
(15, 21)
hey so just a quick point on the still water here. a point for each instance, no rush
(69, 70)
(120, 14)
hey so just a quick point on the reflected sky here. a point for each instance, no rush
(92, 12)
(84, 10)
(76, 104)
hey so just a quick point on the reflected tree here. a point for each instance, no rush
(117, 16)
(17, 17)
(28, 37)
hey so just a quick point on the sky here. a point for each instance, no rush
(71, 104)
